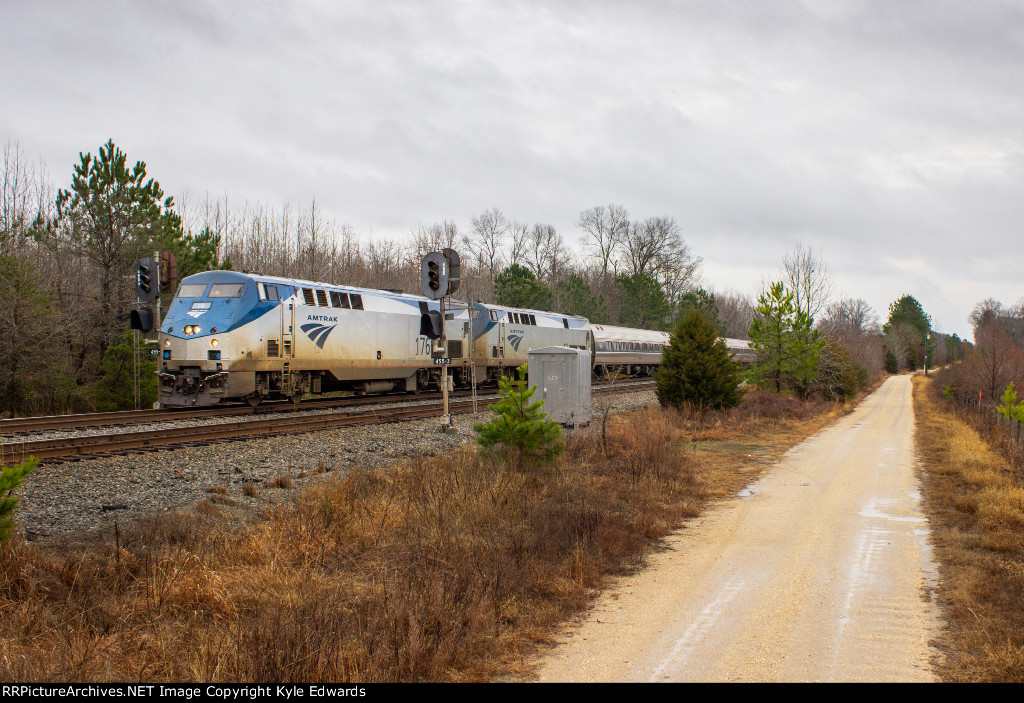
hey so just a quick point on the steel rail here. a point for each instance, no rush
(26, 425)
(46, 423)
(83, 446)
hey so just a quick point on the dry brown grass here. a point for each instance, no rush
(442, 569)
(282, 481)
(975, 501)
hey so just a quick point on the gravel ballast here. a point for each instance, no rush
(76, 498)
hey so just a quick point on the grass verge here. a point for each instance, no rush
(440, 569)
(975, 501)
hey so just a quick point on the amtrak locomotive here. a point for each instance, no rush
(236, 336)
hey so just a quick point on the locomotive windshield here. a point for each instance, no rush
(226, 290)
(192, 290)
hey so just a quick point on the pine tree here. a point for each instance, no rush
(805, 347)
(643, 302)
(1010, 408)
(575, 298)
(520, 430)
(10, 478)
(907, 317)
(787, 346)
(114, 389)
(703, 300)
(517, 287)
(115, 215)
(696, 367)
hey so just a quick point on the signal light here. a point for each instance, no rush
(141, 320)
(434, 274)
(430, 324)
(145, 286)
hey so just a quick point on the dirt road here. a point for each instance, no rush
(820, 571)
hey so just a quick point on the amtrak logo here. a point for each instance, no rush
(195, 313)
(318, 333)
(515, 340)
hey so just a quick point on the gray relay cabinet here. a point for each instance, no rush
(562, 377)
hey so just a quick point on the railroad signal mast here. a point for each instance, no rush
(440, 273)
(153, 276)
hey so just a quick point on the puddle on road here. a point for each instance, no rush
(874, 509)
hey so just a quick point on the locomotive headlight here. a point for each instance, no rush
(167, 342)
(188, 329)
(214, 343)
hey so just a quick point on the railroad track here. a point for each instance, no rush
(35, 425)
(86, 446)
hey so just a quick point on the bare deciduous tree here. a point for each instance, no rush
(16, 206)
(346, 255)
(384, 264)
(487, 240)
(805, 274)
(997, 359)
(849, 316)
(649, 245)
(854, 326)
(435, 237)
(547, 255)
(519, 243)
(604, 230)
(735, 312)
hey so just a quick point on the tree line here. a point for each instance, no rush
(67, 254)
(807, 342)
(66, 280)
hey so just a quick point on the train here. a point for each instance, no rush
(232, 336)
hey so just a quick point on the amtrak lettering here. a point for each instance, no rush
(321, 318)
(318, 333)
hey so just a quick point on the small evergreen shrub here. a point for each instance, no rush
(1009, 407)
(520, 431)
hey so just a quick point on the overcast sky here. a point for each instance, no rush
(889, 136)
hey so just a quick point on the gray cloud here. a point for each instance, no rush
(887, 135)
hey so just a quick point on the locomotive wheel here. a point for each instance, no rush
(254, 399)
